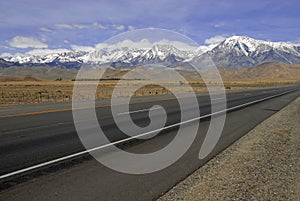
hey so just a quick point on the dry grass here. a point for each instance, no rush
(17, 91)
(34, 92)
(235, 84)
(60, 91)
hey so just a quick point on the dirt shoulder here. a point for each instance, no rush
(262, 165)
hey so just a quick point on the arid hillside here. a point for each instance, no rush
(278, 71)
(264, 71)
(4, 78)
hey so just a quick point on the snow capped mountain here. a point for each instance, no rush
(64, 57)
(233, 52)
(160, 53)
(242, 51)
(249, 45)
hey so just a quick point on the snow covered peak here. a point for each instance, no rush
(239, 38)
(228, 52)
(255, 42)
(164, 50)
(243, 51)
(246, 44)
(249, 45)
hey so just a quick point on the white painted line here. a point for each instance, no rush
(134, 137)
(217, 99)
(143, 110)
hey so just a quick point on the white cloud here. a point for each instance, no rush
(218, 25)
(7, 47)
(80, 26)
(98, 25)
(6, 54)
(45, 29)
(43, 38)
(94, 24)
(64, 26)
(43, 52)
(144, 44)
(125, 43)
(215, 40)
(179, 45)
(130, 28)
(297, 40)
(82, 48)
(71, 26)
(26, 42)
(120, 27)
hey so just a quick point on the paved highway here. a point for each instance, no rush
(32, 135)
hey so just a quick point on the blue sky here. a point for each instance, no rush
(40, 24)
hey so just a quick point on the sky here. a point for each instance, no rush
(39, 25)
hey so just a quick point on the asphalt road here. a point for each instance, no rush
(32, 135)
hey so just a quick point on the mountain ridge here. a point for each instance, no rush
(233, 52)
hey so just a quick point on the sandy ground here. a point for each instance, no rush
(262, 165)
(28, 92)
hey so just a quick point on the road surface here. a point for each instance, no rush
(35, 134)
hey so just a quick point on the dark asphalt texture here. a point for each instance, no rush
(31, 139)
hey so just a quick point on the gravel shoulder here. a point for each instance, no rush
(262, 165)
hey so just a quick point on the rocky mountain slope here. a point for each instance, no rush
(233, 52)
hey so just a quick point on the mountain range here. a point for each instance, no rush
(234, 52)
